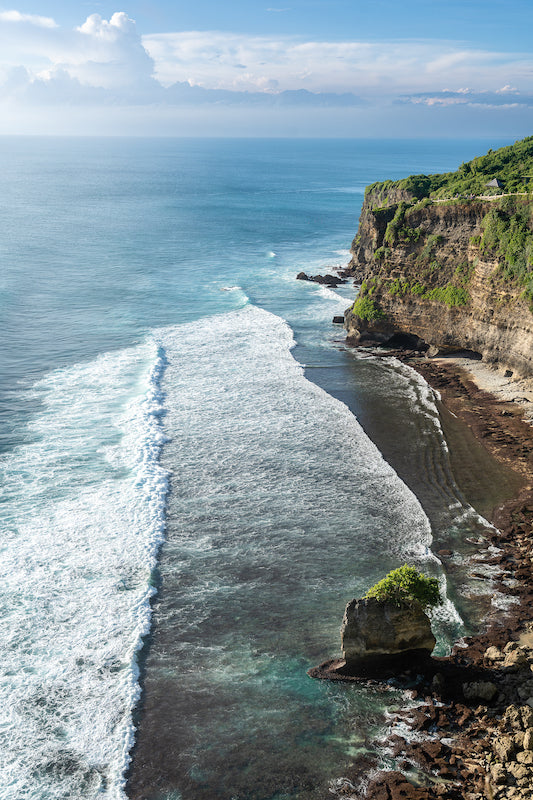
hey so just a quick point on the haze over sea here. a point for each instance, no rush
(172, 435)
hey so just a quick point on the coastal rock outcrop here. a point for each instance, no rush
(372, 629)
(325, 280)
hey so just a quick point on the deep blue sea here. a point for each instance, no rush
(185, 509)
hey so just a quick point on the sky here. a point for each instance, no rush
(378, 68)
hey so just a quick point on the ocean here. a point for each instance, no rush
(197, 475)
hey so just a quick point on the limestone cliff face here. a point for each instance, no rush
(426, 278)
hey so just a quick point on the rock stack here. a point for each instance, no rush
(376, 629)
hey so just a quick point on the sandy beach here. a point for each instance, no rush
(498, 381)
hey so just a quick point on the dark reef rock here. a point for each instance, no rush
(326, 280)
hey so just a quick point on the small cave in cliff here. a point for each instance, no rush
(407, 341)
(473, 354)
(441, 352)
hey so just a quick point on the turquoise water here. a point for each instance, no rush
(162, 440)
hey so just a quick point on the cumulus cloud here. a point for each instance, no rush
(100, 53)
(110, 31)
(43, 62)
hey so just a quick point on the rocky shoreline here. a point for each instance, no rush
(471, 732)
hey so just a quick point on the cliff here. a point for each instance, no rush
(445, 273)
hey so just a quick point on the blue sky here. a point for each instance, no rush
(244, 67)
(485, 23)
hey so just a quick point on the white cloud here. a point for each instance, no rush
(100, 53)
(507, 97)
(33, 19)
(111, 54)
(219, 60)
(508, 89)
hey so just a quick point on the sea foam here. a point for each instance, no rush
(239, 400)
(83, 520)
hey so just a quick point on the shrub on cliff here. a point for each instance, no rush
(449, 294)
(405, 584)
(366, 308)
(507, 232)
(396, 223)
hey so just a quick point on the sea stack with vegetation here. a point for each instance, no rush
(445, 262)
(390, 620)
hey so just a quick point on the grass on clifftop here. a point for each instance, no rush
(510, 165)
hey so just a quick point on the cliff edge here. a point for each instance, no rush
(445, 262)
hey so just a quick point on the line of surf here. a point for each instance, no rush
(84, 516)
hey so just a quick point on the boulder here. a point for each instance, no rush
(515, 660)
(498, 774)
(512, 718)
(504, 747)
(528, 739)
(526, 713)
(480, 690)
(374, 628)
(493, 654)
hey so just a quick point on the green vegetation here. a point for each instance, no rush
(398, 287)
(422, 204)
(398, 230)
(508, 236)
(394, 226)
(507, 232)
(450, 294)
(432, 242)
(405, 584)
(463, 273)
(511, 165)
(365, 308)
(381, 253)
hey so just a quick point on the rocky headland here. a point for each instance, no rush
(446, 269)
(444, 272)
